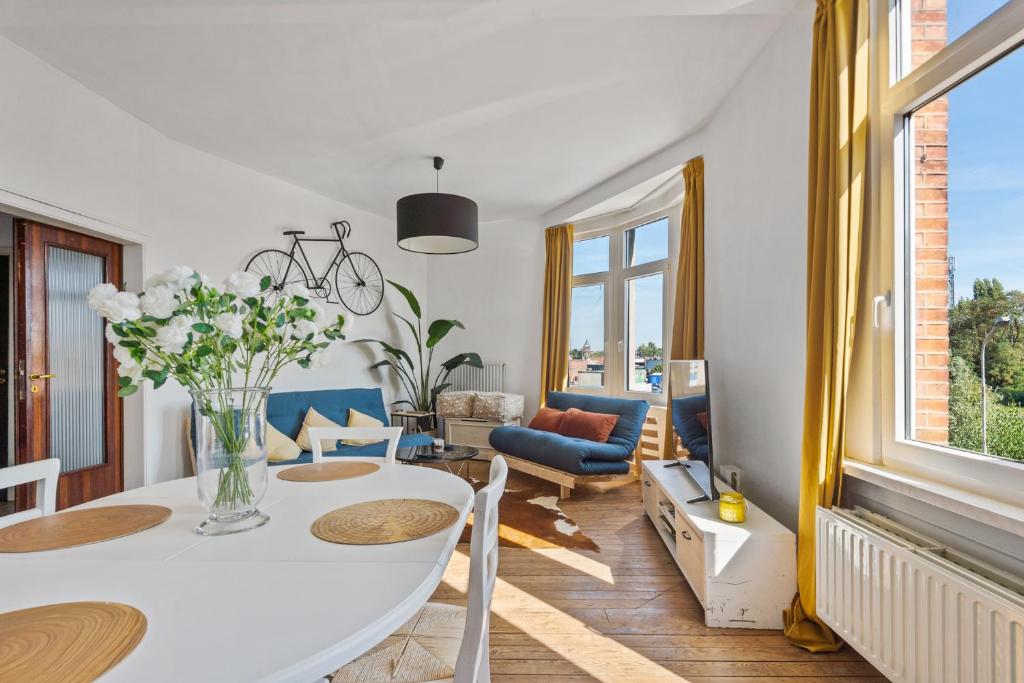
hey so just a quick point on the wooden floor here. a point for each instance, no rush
(624, 613)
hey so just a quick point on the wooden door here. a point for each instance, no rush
(67, 381)
(5, 359)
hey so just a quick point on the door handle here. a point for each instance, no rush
(35, 376)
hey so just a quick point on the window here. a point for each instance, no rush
(948, 190)
(644, 311)
(590, 256)
(647, 243)
(966, 191)
(586, 336)
(928, 26)
(617, 330)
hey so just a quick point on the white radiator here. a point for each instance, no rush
(916, 610)
(491, 377)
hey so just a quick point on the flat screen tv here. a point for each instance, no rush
(689, 395)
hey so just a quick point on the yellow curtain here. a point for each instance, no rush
(688, 317)
(554, 350)
(835, 222)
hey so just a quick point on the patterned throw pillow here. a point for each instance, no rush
(498, 407)
(455, 404)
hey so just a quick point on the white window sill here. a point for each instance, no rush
(988, 511)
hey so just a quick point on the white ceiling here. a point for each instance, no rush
(531, 102)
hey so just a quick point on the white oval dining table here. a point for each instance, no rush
(271, 604)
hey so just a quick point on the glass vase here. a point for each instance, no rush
(231, 457)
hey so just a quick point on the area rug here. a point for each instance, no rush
(529, 516)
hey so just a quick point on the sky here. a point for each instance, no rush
(588, 304)
(986, 164)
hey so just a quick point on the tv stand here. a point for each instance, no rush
(744, 575)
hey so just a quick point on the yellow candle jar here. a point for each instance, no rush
(732, 507)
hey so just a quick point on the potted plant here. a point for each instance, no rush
(225, 345)
(420, 382)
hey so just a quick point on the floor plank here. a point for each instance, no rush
(624, 613)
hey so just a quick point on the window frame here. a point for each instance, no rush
(895, 97)
(616, 279)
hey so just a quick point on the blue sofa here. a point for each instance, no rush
(286, 411)
(687, 425)
(578, 456)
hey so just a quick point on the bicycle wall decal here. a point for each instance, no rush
(358, 282)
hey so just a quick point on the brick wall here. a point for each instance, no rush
(931, 236)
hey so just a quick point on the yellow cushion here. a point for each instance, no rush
(357, 419)
(280, 447)
(315, 419)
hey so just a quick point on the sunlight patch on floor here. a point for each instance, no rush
(579, 563)
(585, 641)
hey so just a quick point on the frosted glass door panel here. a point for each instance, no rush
(76, 358)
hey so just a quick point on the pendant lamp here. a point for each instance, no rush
(437, 223)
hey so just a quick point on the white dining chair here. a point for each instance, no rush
(44, 473)
(455, 638)
(389, 434)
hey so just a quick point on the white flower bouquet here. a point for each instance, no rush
(215, 341)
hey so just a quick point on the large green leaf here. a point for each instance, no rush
(394, 351)
(439, 329)
(409, 297)
(412, 328)
(470, 359)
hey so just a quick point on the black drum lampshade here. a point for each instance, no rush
(437, 223)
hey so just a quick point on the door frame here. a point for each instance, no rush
(138, 468)
(33, 435)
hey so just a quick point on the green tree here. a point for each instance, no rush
(1005, 422)
(648, 350)
(575, 353)
(971, 319)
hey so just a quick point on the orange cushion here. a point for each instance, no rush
(590, 426)
(547, 420)
(703, 419)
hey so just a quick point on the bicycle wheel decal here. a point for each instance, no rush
(359, 283)
(282, 268)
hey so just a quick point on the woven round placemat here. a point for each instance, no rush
(378, 522)
(74, 641)
(328, 471)
(80, 527)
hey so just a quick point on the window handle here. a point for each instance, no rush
(620, 346)
(876, 304)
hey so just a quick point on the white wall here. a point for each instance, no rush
(755, 253)
(496, 292)
(70, 152)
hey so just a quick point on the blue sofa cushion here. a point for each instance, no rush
(686, 424)
(578, 456)
(564, 453)
(286, 411)
(631, 412)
